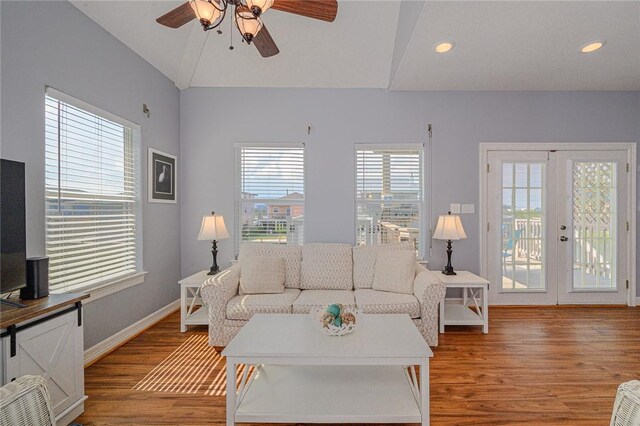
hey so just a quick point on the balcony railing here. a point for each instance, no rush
(370, 233)
(594, 245)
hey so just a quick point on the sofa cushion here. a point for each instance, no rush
(326, 267)
(292, 255)
(395, 272)
(316, 299)
(364, 261)
(242, 307)
(364, 265)
(262, 275)
(371, 301)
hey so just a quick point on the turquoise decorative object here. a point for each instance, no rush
(334, 310)
(335, 319)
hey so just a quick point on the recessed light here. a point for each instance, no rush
(592, 47)
(444, 47)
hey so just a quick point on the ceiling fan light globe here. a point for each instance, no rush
(206, 12)
(258, 7)
(248, 25)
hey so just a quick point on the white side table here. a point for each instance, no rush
(474, 307)
(192, 309)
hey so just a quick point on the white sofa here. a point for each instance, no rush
(317, 275)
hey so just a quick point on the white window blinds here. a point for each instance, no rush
(389, 194)
(270, 193)
(92, 197)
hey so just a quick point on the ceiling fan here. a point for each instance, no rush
(247, 16)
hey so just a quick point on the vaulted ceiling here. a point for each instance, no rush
(499, 45)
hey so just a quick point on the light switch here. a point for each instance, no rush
(468, 208)
(454, 208)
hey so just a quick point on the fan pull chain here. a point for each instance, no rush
(231, 31)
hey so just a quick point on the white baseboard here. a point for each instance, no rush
(637, 301)
(107, 345)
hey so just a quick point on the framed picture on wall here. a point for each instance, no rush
(162, 177)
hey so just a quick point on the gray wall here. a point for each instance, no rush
(212, 120)
(53, 43)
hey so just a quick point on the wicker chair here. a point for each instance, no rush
(626, 408)
(26, 402)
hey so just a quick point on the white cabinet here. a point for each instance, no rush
(50, 346)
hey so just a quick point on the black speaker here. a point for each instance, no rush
(37, 279)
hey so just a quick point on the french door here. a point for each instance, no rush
(557, 227)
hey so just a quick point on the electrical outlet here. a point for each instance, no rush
(454, 208)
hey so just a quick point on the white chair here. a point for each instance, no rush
(26, 402)
(626, 408)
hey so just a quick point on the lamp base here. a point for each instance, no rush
(214, 252)
(448, 271)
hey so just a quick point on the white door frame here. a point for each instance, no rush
(630, 147)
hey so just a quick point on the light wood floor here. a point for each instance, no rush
(536, 366)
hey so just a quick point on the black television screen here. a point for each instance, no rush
(13, 245)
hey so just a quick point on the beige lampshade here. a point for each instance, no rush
(449, 228)
(213, 228)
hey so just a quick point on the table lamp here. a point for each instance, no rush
(213, 229)
(449, 228)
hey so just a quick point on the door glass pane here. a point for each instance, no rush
(594, 225)
(522, 226)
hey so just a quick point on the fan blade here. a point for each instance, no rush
(177, 17)
(265, 44)
(324, 10)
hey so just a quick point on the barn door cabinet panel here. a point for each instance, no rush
(49, 345)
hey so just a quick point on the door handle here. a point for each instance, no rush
(563, 227)
(563, 238)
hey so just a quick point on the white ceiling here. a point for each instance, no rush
(500, 45)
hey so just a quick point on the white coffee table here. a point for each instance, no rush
(304, 376)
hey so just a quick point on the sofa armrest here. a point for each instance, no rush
(429, 291)
(218, 290)
(428, 288)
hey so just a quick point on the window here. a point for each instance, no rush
(389, 194)
(92, 195)
(270, 193)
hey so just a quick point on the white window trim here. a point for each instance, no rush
(388, 146)
(61, 96)
(425, 219)
(107, 287)
(268, 144)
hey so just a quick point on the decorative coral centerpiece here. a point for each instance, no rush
(335, 320)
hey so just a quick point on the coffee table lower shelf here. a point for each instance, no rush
(329, 394)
